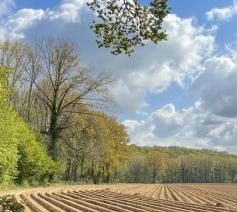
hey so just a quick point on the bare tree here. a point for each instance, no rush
(64, 87)
(31, 72)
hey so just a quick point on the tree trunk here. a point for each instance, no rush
(82, 167)
(92, 171)
(53, 136)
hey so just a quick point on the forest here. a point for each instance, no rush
(181, 165)
(55, 126)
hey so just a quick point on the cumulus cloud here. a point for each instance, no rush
(68, 10)
(6, 7)
(152, 69)
(167, 121)
(225, 13)
(21, 20)
(140, 131)
(190, 127)
(215, 122)
(218, 83)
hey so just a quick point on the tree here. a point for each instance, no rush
(31, 72)
(124, 24)
(8, 142)
(114, 147)
(156, 164)
(95, 148)
(78, 141)
(22, 154)
(64, 88)
(137, 169)
(12, 55)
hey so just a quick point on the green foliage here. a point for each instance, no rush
(201, 168)
(22, 156)
(156, 162)
(175, 151)
(34, 164)
(114, 150)
(8, 133)
(8, 203)
(181, 165)
(124, 24)
(97, 149)
(137, 170)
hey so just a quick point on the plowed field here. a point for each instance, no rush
(131, 197)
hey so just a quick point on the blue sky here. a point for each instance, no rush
(36, 4)
(180, 92)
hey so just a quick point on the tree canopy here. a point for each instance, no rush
(55, 125)
(123, 24)
(22, 155)
(180, 165)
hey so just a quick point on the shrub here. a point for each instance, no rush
(8, 203)
(23, 156)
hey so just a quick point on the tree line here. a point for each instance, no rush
(181, 165)
(51, 103)
(54, 127)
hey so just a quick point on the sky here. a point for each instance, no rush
(180, 92)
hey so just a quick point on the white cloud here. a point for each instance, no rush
(225, 13)
(191, 127)
(152, 69)
(140, 131)
(125, 99)
(16, 24)
(155, 67)
(159, 128)
(21, 20)
(68, 10)
(6, 7)
(218, 84)
(167, 121)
